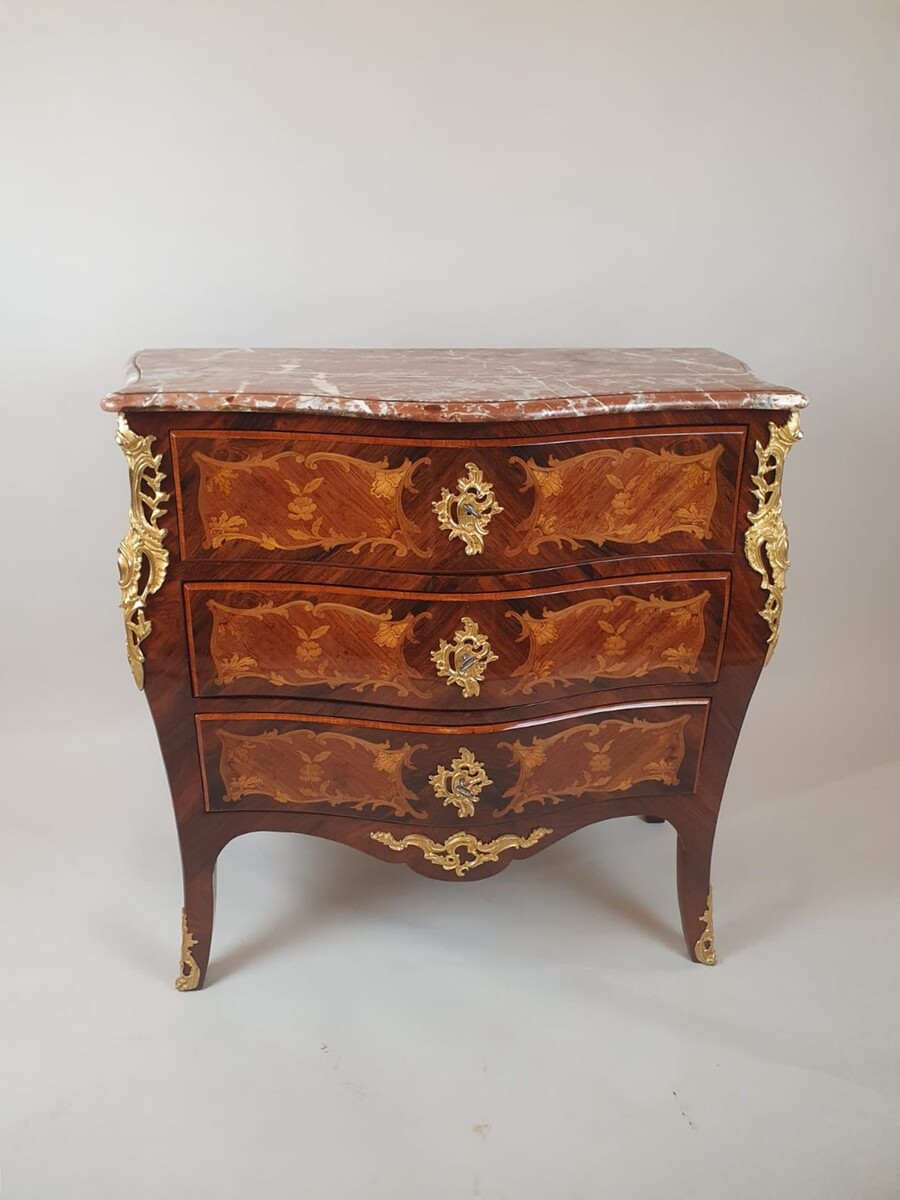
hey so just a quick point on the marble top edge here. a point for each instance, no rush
(456, 385)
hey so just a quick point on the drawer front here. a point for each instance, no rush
(456, 653)
(464, 509)
(434, 775)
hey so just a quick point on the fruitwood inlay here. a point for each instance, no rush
(333, 644)
(623, 638)
(306, 768)
(279, 761)
(633, 495)
(605, 756)
(374, 510)
(467, 652)
(289, 501)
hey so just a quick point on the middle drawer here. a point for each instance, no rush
(461, 652)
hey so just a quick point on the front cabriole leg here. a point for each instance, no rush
(695, 892)
(196, 924)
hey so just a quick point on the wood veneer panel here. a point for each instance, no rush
(272, 760)
(247, 496)
(361, 646)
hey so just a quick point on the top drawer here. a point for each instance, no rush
(494, 508)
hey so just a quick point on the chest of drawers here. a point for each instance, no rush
(447, 607)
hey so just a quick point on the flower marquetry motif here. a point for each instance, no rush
(599, 757)
(298, 502)
(301, 644)
(623, 637)
(633, 495)
(310, 768)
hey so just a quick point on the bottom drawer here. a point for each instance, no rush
(436, 774)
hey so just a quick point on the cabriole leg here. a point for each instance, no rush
(695, 892)
(196, 924)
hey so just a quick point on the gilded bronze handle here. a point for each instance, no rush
(464, 660)
(466, 513)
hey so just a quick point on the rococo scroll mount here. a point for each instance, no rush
(464, 660)
(766, 539)
(461, 783)
(447, 854)
(142, 545)
(466, 513)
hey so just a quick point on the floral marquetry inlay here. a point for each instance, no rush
(621, 638)
(323, 500)
(301, 644)
(629, 496)
(604, 756)
(302, 767)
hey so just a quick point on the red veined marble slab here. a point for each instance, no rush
(444, 385)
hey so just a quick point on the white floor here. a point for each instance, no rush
(370, 1035)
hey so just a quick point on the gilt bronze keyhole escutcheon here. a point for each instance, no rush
(464, 660)
(466, 513)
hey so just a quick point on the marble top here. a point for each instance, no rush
(444, 385)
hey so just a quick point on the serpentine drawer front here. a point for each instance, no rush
(448, 607)
(272, 761)
(454, 652)
(411, 506)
